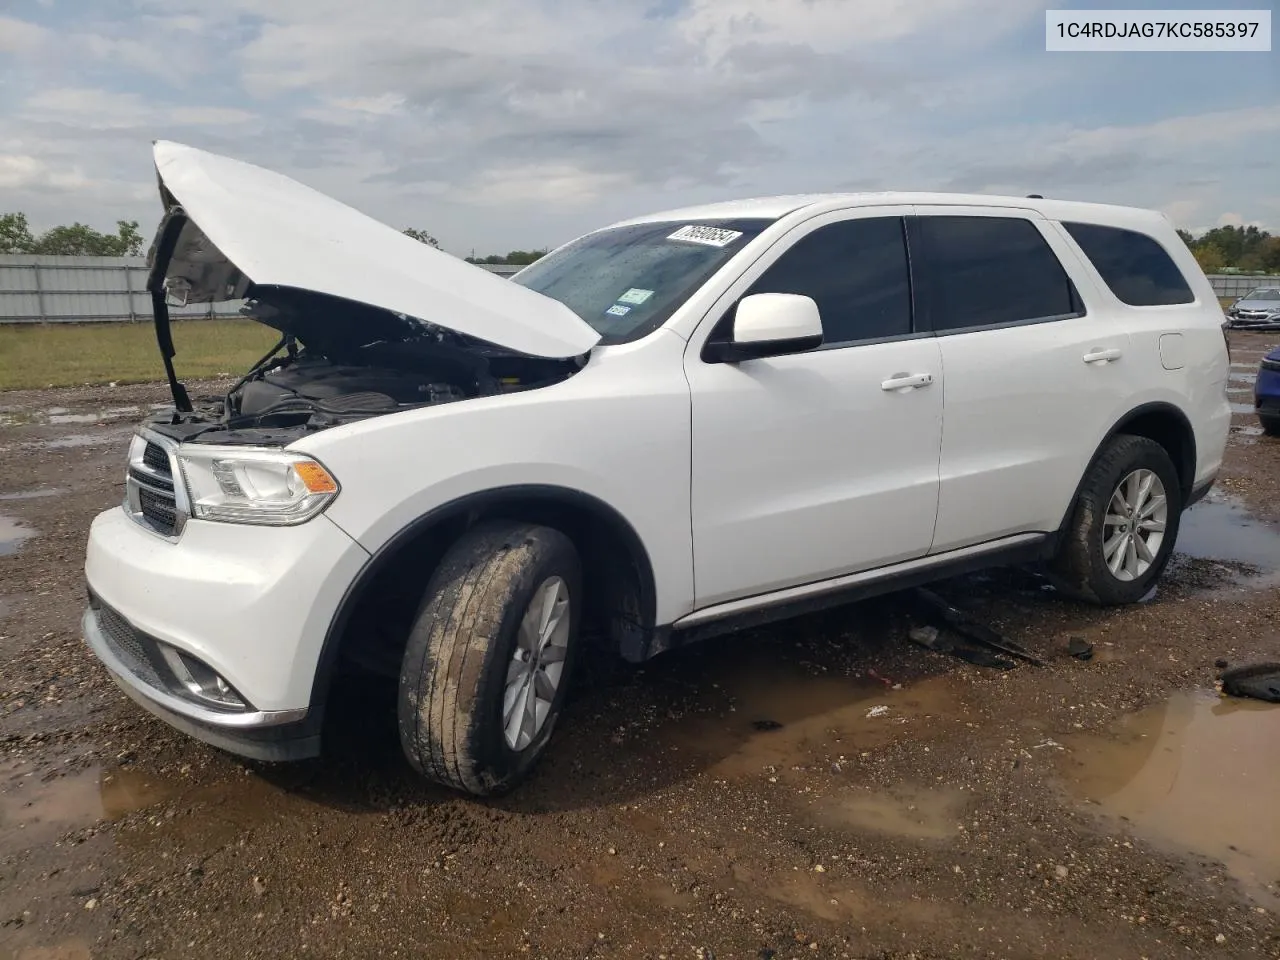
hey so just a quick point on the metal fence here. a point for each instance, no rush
(104, 289)
(1232, 285)
(38, 289)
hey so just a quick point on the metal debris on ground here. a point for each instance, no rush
(969, 628)
(1259, 681)
(1080, 648)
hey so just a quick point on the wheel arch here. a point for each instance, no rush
(617, 569)
(1165, 424)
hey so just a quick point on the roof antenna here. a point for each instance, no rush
(1035, 196)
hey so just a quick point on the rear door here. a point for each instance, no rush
(1035, 368)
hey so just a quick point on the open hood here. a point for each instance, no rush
(256, 229)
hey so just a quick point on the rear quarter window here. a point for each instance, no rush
(1136, 267)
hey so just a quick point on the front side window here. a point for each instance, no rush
(987, 271)
(856, 271)
(627, 281)
(1138, 270)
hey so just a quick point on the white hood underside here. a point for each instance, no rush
(278, 232)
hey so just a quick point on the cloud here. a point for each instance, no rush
(20, 37)
(518, 122)
(92, 108)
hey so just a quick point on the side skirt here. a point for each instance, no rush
(809, 598)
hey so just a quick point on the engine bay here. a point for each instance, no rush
(339, 362)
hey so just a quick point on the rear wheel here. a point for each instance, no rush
(486, 667)
(1124, 524)
(1270, 425)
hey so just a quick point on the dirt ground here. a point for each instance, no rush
(823, 788)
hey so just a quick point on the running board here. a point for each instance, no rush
(807, 598)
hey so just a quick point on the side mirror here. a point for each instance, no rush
(769, 325)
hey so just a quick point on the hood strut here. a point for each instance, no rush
(166, 241)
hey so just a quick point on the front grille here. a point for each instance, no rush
(128, 644)
(155, 458)
(152, 479)
(151, 489)
(158, 509)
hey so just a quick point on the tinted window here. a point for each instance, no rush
(627, 281)
(1135, 267)
(988, 270)
(856, 271)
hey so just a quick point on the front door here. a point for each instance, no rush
(813, 465)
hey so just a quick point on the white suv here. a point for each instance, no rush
(668, 428)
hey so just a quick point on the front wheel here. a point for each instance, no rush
(486, 667)
(1123, 526)
(1270, 425)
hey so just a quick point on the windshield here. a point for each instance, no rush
(626, 281)
(1263, 293)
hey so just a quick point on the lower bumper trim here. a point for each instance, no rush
(259, 734)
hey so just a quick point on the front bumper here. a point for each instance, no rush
(258, 734)
(252, 604)
(1259, 322)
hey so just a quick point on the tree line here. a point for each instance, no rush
(1246, 249)
(76, 240)
(81, 240)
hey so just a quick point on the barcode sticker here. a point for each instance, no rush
(709, 236)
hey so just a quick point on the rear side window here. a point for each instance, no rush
(1138, 270)
(984, 271)
(856, 271)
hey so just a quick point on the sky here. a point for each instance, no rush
(517, 124)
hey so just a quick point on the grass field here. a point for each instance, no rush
(62, 355)
(34, 356)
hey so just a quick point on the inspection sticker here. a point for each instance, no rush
(635, 296)
(710, 236)
(618, 310)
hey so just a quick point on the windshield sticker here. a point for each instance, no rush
(635, 296)
(618, 310)
(709, 236)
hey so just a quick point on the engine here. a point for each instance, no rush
(321, 393)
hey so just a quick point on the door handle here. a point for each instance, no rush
(1099, 355)
(906, 381)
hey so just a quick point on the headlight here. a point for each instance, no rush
(247, 485)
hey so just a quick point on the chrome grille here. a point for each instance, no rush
(153, 496)
(155, 458)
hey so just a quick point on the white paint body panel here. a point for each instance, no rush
(617, 431)
(282, 233)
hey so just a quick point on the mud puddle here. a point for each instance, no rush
(35, 811)
(12, 535)
(1197, 775)
(784, 718)
(906, 812)
(1221, 528)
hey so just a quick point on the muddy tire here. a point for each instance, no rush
(488, 660)
(1123, 526)
(1270, 425)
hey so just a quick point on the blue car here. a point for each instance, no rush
(1266, 393)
